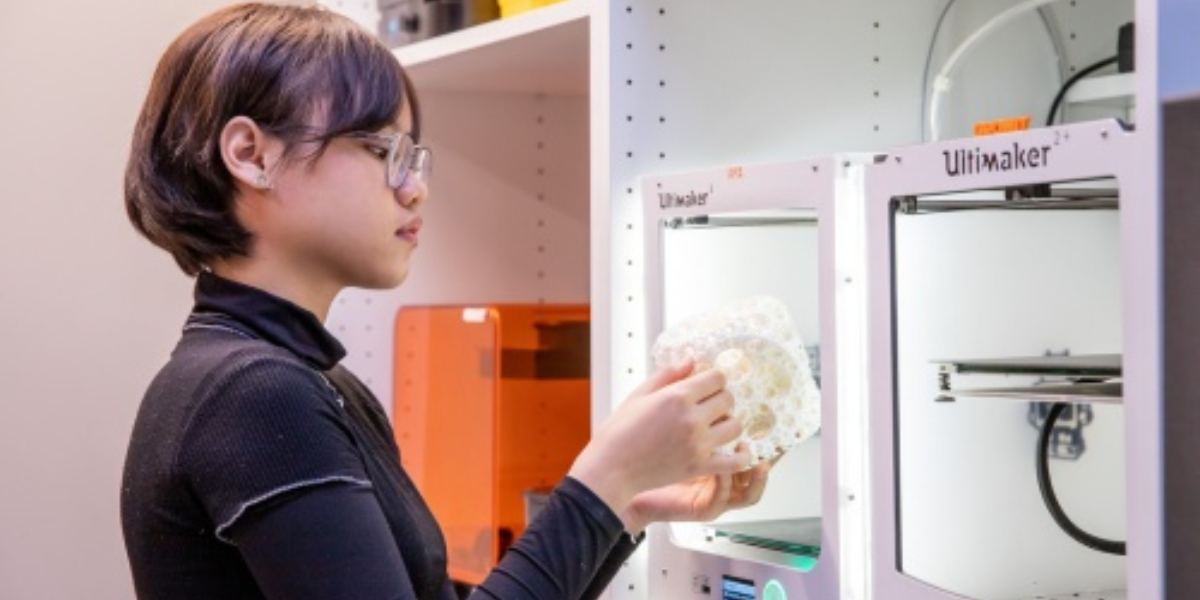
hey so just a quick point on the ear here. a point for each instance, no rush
(249, 153)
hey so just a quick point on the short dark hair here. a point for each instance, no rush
(302, 74)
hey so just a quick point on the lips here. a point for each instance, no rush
(410, 231)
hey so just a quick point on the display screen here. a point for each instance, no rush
(733, 588)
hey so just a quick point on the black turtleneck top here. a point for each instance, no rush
(259, 467)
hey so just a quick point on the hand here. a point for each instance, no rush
(698, 499)
(665, 432)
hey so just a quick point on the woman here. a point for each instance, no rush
(276, 159)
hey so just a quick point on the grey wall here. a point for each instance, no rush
(88, 310)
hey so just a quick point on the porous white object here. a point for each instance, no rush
(754, 343)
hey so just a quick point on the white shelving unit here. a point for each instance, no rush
(1119, 88)
(541, 51)
(544, 125)
(1103, 95)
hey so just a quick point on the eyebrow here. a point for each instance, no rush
(393, 127)
(393, 130)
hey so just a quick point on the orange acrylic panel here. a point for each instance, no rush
(489, 403)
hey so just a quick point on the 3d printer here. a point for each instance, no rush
(491, 407)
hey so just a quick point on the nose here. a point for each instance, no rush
(412, 193)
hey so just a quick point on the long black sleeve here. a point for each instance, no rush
(608, 569)
(332, 542)
(560, 553)
(325, 543)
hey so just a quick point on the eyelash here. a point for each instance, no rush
(378, 152)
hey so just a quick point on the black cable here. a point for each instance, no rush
(1066, 86)
(1051, 500)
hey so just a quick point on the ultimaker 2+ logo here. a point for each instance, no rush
(972, 161)
(684, 200)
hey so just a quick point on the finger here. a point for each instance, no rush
(725, 431)
(665, 376)
(741, 480)
(749, 486)
(716, 406)
(721, 498)
(758, 484)
(728, 464)
(699, 386)
(713, 502)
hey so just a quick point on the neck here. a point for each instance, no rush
(309, 292)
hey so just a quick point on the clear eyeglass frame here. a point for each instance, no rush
(404, 157)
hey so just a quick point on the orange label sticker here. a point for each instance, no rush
(1006, 125)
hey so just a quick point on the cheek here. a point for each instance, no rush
(340, 207)
(346, 189)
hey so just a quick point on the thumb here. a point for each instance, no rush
(665, 376)
(727, 464)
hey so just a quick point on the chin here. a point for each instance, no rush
(398, 280)
(383, 276)
(393, 278)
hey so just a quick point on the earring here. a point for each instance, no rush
(262, 182)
